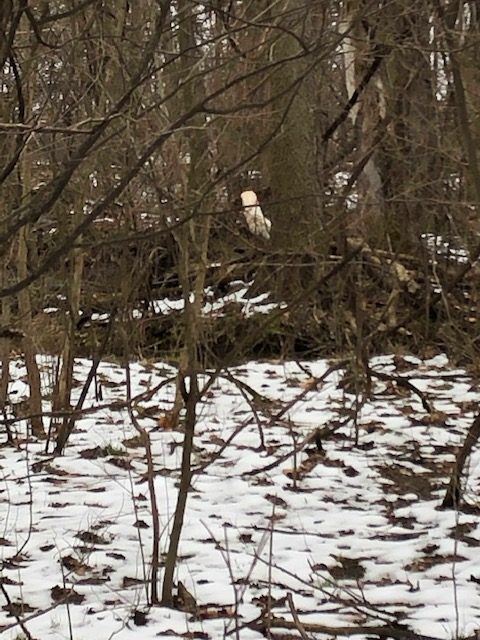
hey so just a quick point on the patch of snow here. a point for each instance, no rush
(359, 530)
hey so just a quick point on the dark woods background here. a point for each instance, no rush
(128, 131)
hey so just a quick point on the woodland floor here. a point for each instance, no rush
(344, 534)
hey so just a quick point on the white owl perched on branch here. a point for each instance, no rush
(257, 223)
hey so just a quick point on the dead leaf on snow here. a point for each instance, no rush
(73, 564)
(275, 500)
(7, 580)
(139, 618)
(407, 410)
(94, 452)
(133, 443)
(94, 580)
(421, 564)
(350, 472)
(115, 555)
(67, 596)
(168, 421)
(130, 582)
(90, 537)
(436, 417)
(305, 467)
(184, 600)
(310, 384)
(121, 463)
(349, 569)
(245, 537)
(18, 609)
(96, 489)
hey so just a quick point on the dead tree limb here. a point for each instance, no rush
(395, 632)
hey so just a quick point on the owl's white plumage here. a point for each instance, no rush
(256, 221)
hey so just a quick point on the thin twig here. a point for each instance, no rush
(151, 492)
(299, 626)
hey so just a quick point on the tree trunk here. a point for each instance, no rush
(25, 310)
(24, 296)
(291, 166)
(454, 494)
(193, 239)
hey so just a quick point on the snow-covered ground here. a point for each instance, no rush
(214, 305)
(347, 536)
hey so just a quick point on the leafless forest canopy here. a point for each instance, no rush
(129, 131)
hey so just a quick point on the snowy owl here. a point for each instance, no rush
(257, 222)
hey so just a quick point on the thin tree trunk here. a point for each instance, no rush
(63, 387)
(454, 494)
(25, 309)
(185, 480)
(24, 298)
(193, 241)
(5, 362)
(5, 346)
